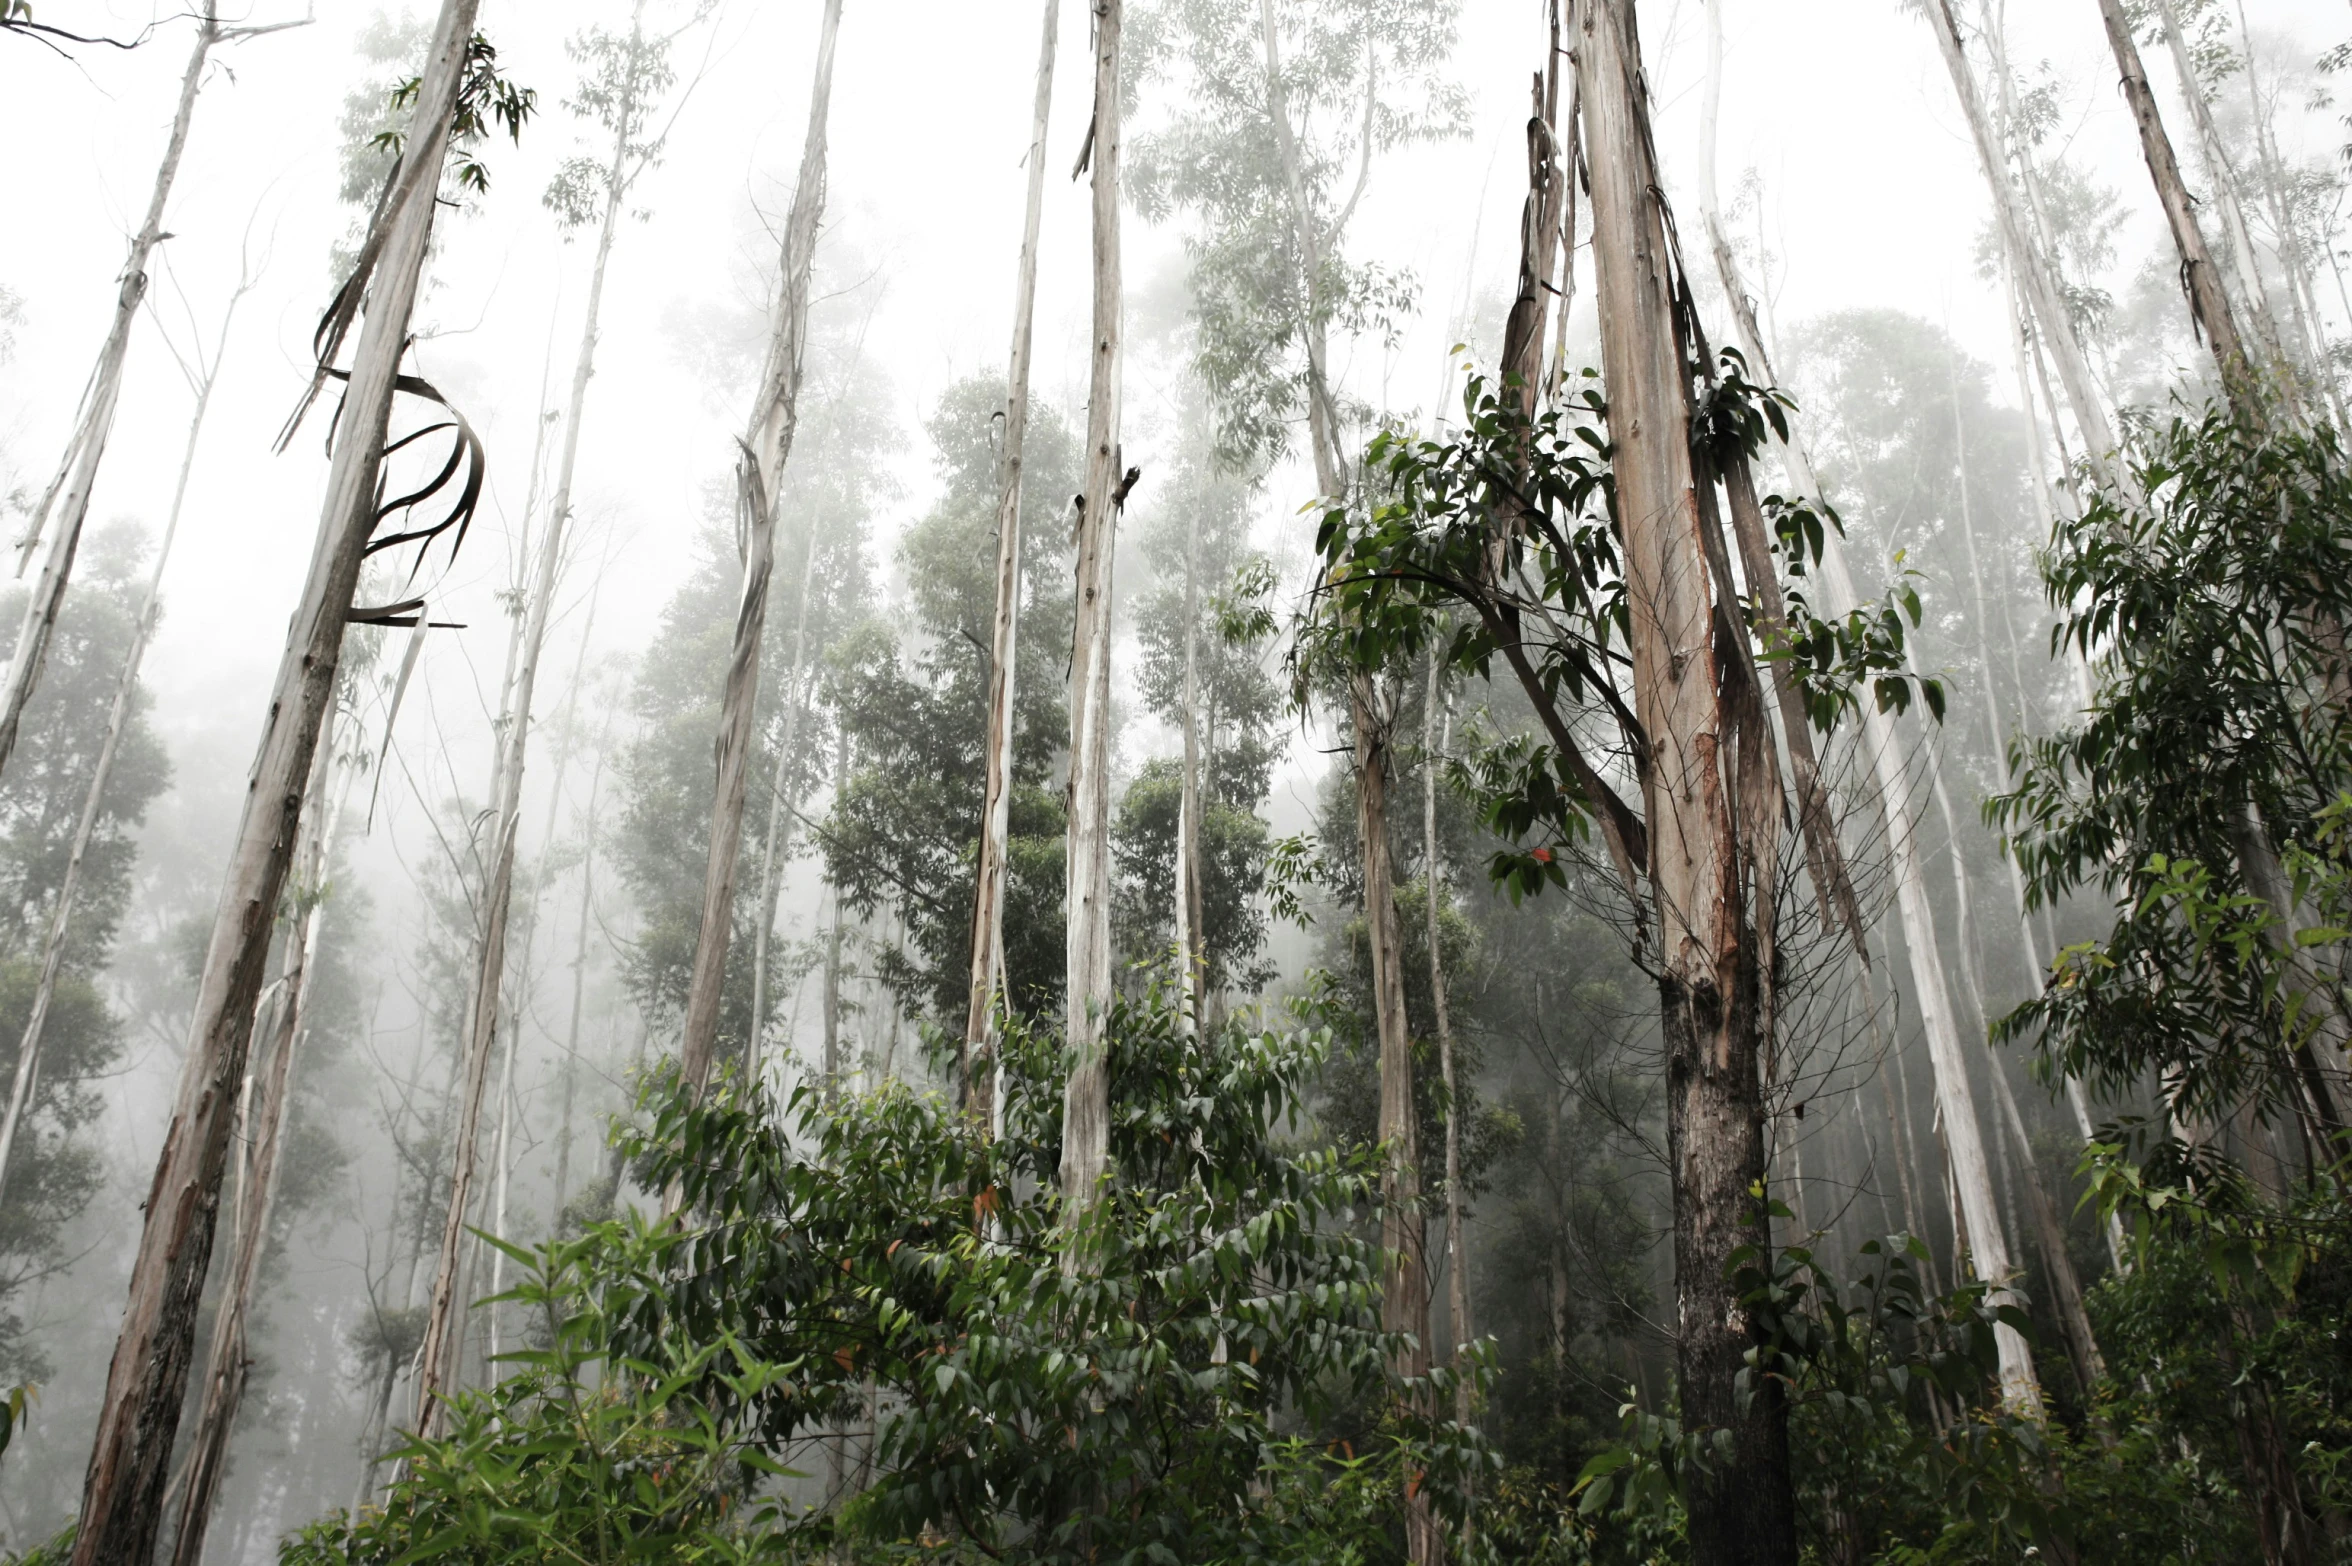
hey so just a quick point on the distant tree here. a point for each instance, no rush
(55, 1170)
(904, 829)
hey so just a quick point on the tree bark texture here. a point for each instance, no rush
(1086, 1103)
(767, 447)
(1742, 1509)
(131, 1456)
(69, 493)
(996, 810)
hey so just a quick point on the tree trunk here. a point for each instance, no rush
(780, 804)
(563, 1141)
(28, 1055)
(1086, 1104)
(228, 1364)
(130, 1457)
(1191, 939)
(2209, 306)
(77, 474)
(775, 417)
(2032, 266)
(978, 1061)
(1743, 1508)
(1433, 745)
(438, 1363)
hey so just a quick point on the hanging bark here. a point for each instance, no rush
(139, 1417)
(978, 1062)
(2209, 306)
(68, 494)
(775, 418)
(2033, 267)
(228, 1364)
(28, 1054)
(1086, 1104)
(1709, 974)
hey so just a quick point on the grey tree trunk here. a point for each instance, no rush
(2209, 306)
(571, 1076)
(130, 1457)
(28, 1054)
(2032, 265)
(775, 418)
(978, 1057)
(69, 493)
(1433, 745)
(1709, 974)
(1191, 940)
(1086, 1101)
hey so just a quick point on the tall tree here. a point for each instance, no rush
(626, 74)
(130, 1457)
(1086, 1105)
(766, 447)
(996, 809)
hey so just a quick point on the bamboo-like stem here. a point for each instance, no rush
(139, 1416)
(978, 1061)
(766, 447)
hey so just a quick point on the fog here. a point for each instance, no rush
(1862, 216)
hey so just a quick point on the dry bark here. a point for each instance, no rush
(767, 446)
(131, 1455)
(1086, 1105)
(77, 474)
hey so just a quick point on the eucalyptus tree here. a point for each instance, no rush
(1086, 876)
(991, 872)
(625, 77)
(67, 498)
(765, 449)
(1284, 111)
(1596, 567)
(130, 1458)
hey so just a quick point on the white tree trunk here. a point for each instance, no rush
(78, 473)
(775, 418)
(979, 1063)
(1086, 1102)
(1433, 746)
(131, 1454)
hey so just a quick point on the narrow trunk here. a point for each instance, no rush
(2209, 306)
(2032, 266)
(767, 447)
(1191, 941)
(1743, 1509)
(1086, 1102)
(438, 1363)
(130, 1457)
(1433, 745)
(832, 1046)
(776, 848)
(978, 1061)
(69, 493)
(28, 1054)
(264, 1138)
(571, 1073)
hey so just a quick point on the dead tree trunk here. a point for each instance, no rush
(775, 418)
(2209, 306)
(69, 493)
(1086, 1101)
(28, 1055)
(130, 1458)
(1710, 979)
(978, 1065)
